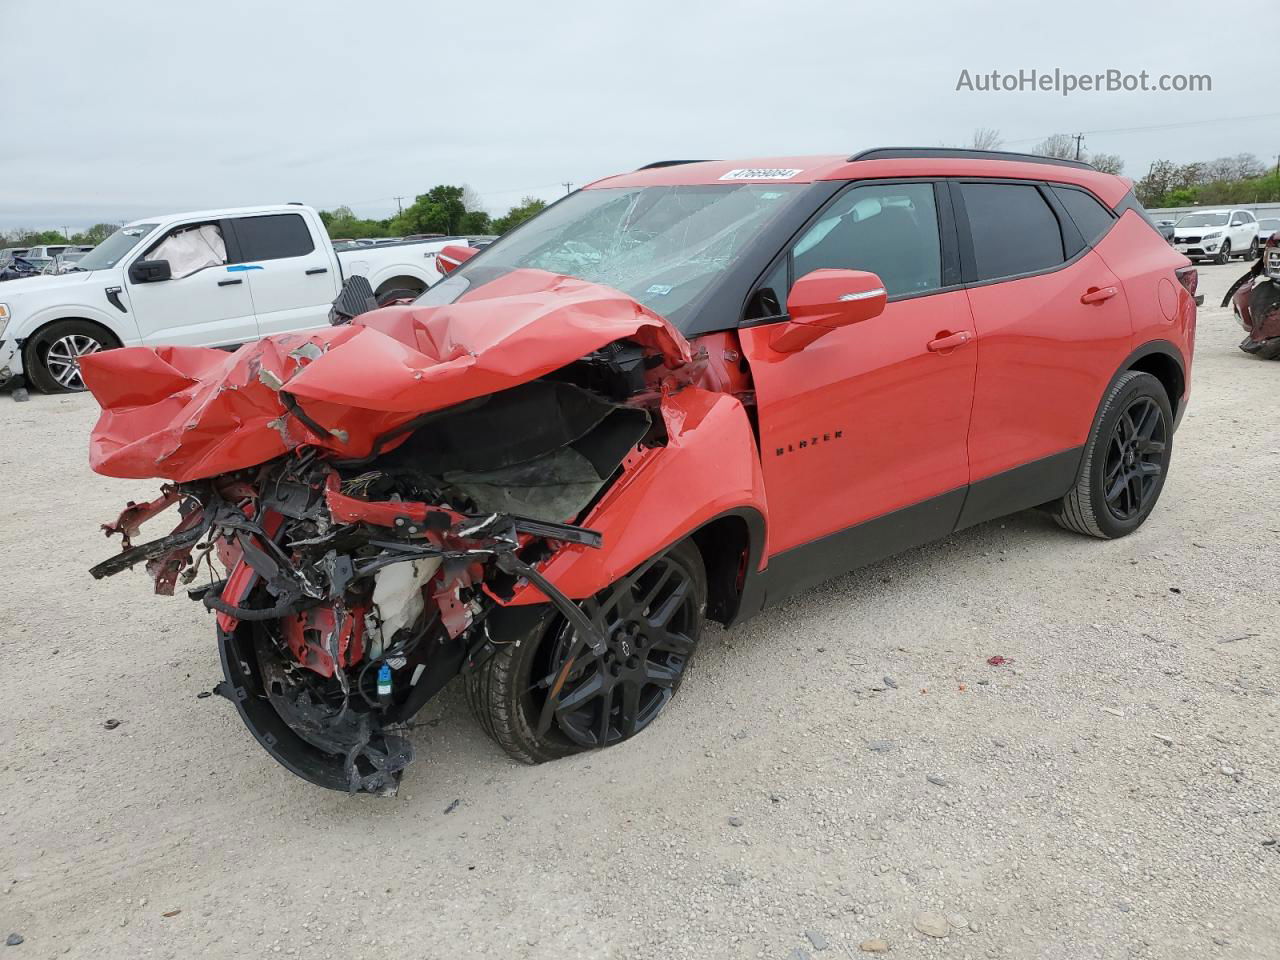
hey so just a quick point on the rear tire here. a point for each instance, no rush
(603, 700)
(1125, 461)
(52, 355)
(391, 296)
(1253, 250)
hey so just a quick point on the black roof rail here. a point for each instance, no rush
(949, 153)
(669, 163)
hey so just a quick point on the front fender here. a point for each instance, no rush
(122, 325)
(709, 467)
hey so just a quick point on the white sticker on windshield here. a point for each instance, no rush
(761, 173)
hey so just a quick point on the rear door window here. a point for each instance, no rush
(273, 237)
(1091, 218)
(1014, 229)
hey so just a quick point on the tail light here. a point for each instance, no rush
(1189, 277)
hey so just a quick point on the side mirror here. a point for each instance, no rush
(453, 256)
(149, 271)
(826, 300)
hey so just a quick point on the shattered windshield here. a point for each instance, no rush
(662, 246)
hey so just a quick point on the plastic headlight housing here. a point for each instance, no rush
(4, 317)
(1212, 236)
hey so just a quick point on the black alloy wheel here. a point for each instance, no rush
(1125, 461)
(1135, 458)
(547, 694)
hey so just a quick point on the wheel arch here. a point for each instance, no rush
(26, 341)
(397, 281)
(1162, 360)
(731, 546)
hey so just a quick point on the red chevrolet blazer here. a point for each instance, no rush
(682, 392)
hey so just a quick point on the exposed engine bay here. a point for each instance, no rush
(349, 589)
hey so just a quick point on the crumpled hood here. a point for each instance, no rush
(183, 413)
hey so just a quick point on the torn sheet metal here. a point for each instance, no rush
(185, 413)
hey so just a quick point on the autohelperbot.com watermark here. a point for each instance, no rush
(1066, 82)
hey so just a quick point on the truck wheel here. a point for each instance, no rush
(544, 695)
(53, 355)
(1224, 253)
(1125, 461)
(391, 296)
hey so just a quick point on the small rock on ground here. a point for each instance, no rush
(817, 939)
(932, 924)
(13, 939)
(873, 945)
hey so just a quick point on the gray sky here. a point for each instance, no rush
(114, 110)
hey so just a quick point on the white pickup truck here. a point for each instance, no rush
(216, 278)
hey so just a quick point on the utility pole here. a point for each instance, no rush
(66, 234)
(399, 205)
(567, 187)
(1078, 138)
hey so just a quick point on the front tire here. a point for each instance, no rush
(1224, 254)
(1253, 250)
(53, 355)
(1125, 461)
(652, 620)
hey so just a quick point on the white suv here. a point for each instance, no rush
(1217, 234)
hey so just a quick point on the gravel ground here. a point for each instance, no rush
(843, 769)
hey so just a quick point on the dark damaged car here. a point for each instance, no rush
(683, 392)
(1255, 300)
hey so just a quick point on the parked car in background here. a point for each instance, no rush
(1267, 228)
(8, 253)
(1217, 234)
(212, 278)
(49, 251)
(15, 268)
(1166, 229)
(66, 262)
(686, 391)
(21, 267)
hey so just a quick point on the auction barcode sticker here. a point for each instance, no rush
(761, 173)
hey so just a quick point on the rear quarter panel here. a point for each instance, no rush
(1159, 306)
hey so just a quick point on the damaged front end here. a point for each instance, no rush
(360, 568)
(1255, 300)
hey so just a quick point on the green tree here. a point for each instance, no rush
(95, 234)
(439, 210)
(343, 224)
(517, 215)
